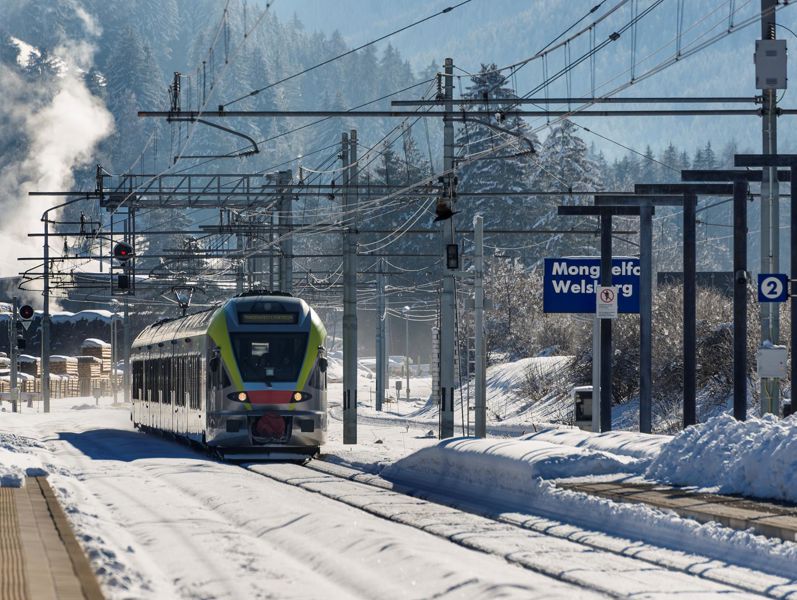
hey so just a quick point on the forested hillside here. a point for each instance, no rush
(134, 48)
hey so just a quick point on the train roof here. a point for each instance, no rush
(197, 323)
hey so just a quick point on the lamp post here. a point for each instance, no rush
(407, 347)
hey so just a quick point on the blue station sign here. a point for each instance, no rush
(570, 284)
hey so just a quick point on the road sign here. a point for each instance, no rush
(570, 284)
(773, 287)
(26, 314)
(606, 302)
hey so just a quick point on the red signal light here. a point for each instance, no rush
(122, 252)
(26, 311)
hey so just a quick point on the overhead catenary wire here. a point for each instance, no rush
(347, 53)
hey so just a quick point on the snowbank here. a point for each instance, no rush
(17, 461)
(503, 469)
(624, 443)
(507, 476)
(755, 458)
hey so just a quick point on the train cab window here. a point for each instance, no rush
(269, 356)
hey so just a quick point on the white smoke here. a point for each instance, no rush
(56, 131)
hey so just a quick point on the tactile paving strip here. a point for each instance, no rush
(40, 558)
(12, 564)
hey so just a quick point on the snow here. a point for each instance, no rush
(625, 443)
(18, 460)
(69, 317)
(160, 520)
(757, 457)
(94, 343)
(26, 51)
(512, 475)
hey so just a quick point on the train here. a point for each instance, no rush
(246, 379)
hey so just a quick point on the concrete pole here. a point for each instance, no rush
(380, 335)
(606, 327)
(114, 355)
(239, 271)
(406, 352)
(770, 215)
(448, 302)
(286, 223)
(793, 285)
(45, 338)
(690, 309)
(645, 317)
(480, 387)
(126, 352)
(12, 353)
(596, 375)
(349, 304)
(740, 299)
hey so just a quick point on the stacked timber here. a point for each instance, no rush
(89, 370)
(63, 365)
(89, 366)
(30, 365)
(99, 349)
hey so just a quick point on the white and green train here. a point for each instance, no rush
(246, 379)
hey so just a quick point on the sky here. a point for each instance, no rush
(507, 31)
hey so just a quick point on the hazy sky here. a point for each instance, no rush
(507, 31)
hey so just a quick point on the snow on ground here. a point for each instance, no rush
(160, 520)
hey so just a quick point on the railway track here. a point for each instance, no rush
(628, 568)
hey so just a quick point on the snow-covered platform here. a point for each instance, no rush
(40, 557)
(736, 512)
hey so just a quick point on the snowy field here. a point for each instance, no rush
(159, 520)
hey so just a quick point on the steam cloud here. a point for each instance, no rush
(56, 132)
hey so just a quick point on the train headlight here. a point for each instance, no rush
(300, 397)
(242, 397)
(297, 396)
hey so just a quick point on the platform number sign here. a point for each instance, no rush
(25, 315)
(773, 287)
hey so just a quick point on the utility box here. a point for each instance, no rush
(582, 406)
(772, 362)
(770, 64)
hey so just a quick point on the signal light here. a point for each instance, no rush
(122, 252)
(26, 312)
(123, 282)
(452, 256)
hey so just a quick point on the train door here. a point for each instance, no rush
(161, 391)
(172, 405)
(179, 390)
(213, 382)
(150, 404)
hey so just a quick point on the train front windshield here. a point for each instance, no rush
(269, 357)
